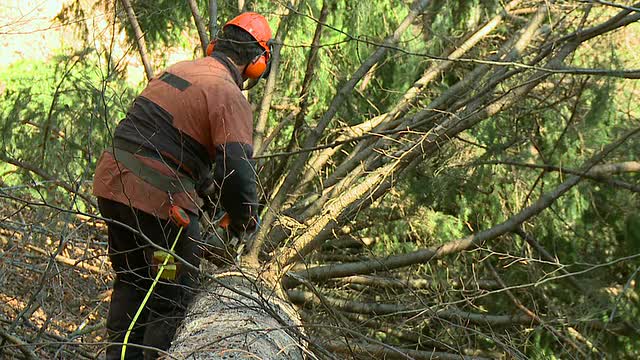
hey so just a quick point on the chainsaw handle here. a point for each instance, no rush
(179, 216)
(225, 221)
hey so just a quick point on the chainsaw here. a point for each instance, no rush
(222, 246)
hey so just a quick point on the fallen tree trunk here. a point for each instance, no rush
(239, 315)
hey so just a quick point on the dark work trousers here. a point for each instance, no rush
(132, 258)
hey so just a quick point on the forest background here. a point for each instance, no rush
(440, 179)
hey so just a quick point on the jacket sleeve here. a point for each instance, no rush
(231, 123)
(234, 173)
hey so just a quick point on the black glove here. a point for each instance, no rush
(219, 249)
(208, 191)
(207, 186)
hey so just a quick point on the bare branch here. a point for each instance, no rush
(314, 136)
(20, 344)
(68, 261)
(321, 273)
(353, 167)
(413, 336)
(306, 82)
(624, 74)
(213, 19)
(382, 282)
(202, 32)
(265, 105)
(547, 256)
(376, 308)
(597, 173)
(531, 314)
(612, 4)
(43, 174)
(384, 352)
(410, 98)
(142, 45)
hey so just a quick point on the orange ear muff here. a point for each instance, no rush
(210, 47)
(256, 68)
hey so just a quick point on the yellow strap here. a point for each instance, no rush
(147, 296)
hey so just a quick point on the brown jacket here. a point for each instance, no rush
(201, 103)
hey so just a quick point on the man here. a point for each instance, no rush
(190, 116)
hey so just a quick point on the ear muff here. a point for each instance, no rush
(257, 67)
(210, 47)
(261, 65)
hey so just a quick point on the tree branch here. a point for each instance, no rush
(313, 137)
(21, 345)
(142, 45)
(213, 19)
(376, 308)
(321, 273)
(304, 92)
(384, 352)
(416, 284)
(597, 173)
(265, 104)
(202, 32)
(68, 261)
(43, 174)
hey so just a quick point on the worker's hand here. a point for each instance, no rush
(249, 237)
(208, 187)
(218, 248)
(227, 243)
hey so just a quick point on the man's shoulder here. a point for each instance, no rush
(205, 72)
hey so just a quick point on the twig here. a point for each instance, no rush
(531, 314)
(383, 352)
(23, 346)
(59, 339)
(68, 261)
(202, 32)
(142, 45)
(46, 176)
(321, 273)
(597, 173)
(547, 256)
(213, 19)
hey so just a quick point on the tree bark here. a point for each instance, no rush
(270, 87)
(313, 137)
(142, 45)
(213, 19)
(239, 315)
(202, 31)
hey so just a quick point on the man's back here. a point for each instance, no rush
(183, 115)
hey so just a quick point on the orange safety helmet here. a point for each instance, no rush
(256, 25)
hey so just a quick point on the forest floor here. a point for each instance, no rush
(54, 284)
